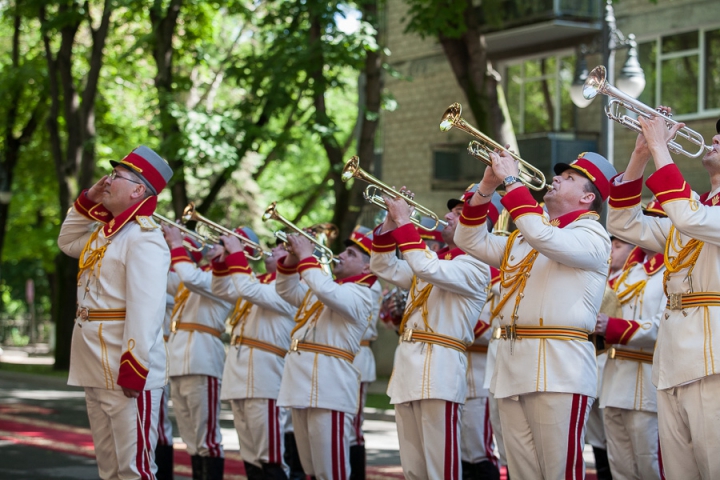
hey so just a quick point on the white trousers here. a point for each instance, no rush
(689, 425)
(124, 432)
(595, 434)
(476, 434)
(632, 444)
(258, 422)
(165, 431)
(429, 434)
(544, 434)
(196, 401)
(323, 442)
(356, 435)
(497, 429)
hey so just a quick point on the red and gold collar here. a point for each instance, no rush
(636, 256)
(267, 277)
(447, 254)
(365, 279)
(653, 264)
(564, 220)
(705, 199)
(144, 208)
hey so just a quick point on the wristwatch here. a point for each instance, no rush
(509, 180)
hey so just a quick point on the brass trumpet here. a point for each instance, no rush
(191, 233)
(531, 176)
(352, 170)
(189, 214)
(324, 233)
(597, 83)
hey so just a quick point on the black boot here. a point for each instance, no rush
(253, 472)
(164, 462)
(292, 458)
(273, 471)
(197, 467)
(602, 465)
(214, 468)
(357, 462)
(480, 471)
(488, 471)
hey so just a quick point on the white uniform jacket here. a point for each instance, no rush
(261, 315)
(486, 316)
(627, 383)
(196, 351)
(173, 283)
(457, 291)
(365, 359)
(332, 315)
(688, 341)
(564, 288)
(117, 339)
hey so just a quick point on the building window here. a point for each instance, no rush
(683, 71)
(454, 168)
(538, 94)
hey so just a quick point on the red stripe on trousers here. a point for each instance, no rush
(452, 467)
(143, 405)
(335, 472)
(162, 437)
(213, 449)
(574, 462)
(341, 433)
(489, 450)
(272, 439)
(278, 435)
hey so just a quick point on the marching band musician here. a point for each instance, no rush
(429, 384)
(261, 323)
(117, 350)
(365, 363)
(627, 396)
(164, 451)
(685, 367)
(595, 426)
(196, 356)
(553, 271)
(476, 436)
(320, 384)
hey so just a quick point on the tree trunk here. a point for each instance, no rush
(164, 24)
(75, 163)
(473, 72)
(369, 113)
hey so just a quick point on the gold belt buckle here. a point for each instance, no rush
(611, 352)
(82, 313)
(407, 335)
(497, 333)
(675, 301)
(294, 344)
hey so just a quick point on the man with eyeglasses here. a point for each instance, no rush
(118, 353)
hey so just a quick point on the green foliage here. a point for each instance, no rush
(243, 99)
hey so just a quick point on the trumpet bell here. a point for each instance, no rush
(594, 83)
(451, 117)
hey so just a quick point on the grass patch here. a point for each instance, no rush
(379, 400)
(33, 369)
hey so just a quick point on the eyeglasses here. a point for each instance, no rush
(114, 174)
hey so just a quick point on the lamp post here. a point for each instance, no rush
(631, 79)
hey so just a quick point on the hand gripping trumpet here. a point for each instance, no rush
(374, 192)
(190, 215)
(531, 176)
(190, 233)
(324, 234)
(597, 83)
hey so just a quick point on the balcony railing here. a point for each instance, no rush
(519, 13)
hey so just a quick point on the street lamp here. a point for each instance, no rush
(631, 79)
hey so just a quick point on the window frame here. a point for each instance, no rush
(700, 52)
(557, 97)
